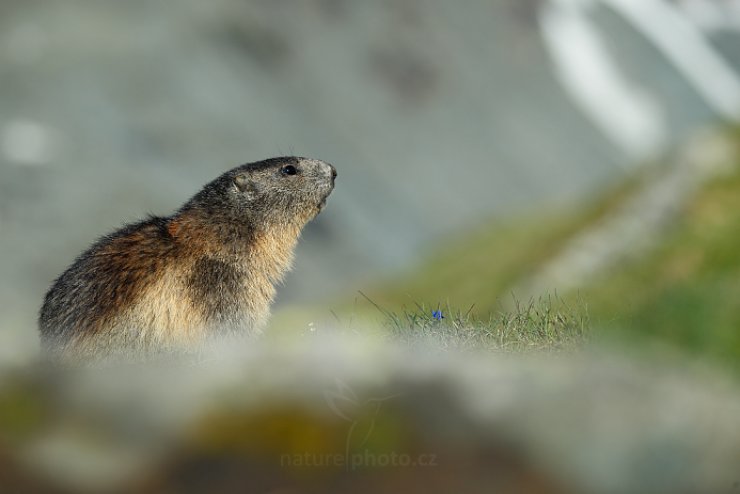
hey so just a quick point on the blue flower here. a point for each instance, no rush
(437, 314)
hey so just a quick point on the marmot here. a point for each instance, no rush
(169, 283)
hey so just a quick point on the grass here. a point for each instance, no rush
(546, 324)
(543, 325)
(685, 292)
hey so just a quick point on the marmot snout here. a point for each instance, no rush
(170, 283)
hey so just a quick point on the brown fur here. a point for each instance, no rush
(169, 284)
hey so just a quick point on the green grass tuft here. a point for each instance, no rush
(685, 292)
(547, 324)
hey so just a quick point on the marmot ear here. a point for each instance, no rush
(242, 182)
(246, 186)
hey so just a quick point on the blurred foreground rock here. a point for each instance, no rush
(337, 414)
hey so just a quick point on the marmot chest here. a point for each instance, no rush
(209, 298)
(228, 293)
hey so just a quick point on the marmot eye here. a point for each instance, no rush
(289, 170)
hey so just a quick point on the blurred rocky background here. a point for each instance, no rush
(517, 179)
(438, 117)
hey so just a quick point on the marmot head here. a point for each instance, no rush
(277, 191)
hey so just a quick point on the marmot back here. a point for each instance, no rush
(170, 283)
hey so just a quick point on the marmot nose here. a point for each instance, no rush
(333, 172)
